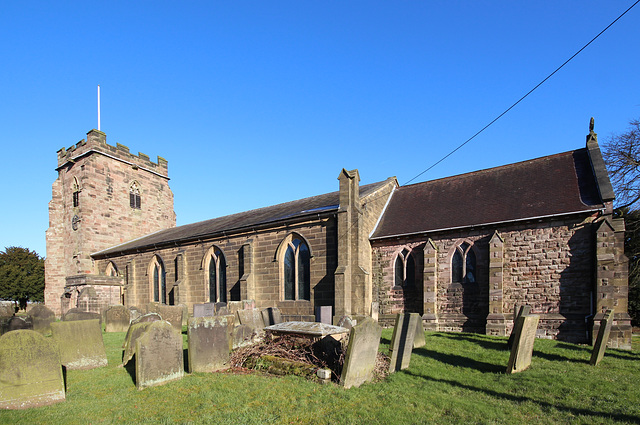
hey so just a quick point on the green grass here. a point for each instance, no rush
(456, 378)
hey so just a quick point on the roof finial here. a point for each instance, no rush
(592, 136)
(591, 125)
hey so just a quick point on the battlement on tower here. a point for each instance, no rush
(96, 142)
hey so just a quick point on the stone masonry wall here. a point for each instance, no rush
(190, 281)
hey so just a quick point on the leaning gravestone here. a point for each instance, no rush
(42, 317)
(522, 310)
(30, 371)
(209, 344)
(204, 310)
(135, 331)
(75, 314)
(362, 351)
(80, 344)
(149, 317)
(159, 357)
(524, 335)
(404, 333)
(418, 340)
(601, 340)
(251, 318)
(172, 314)
(117, 318)
(271, 316)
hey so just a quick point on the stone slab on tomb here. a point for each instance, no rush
(519, 310)
(159, 355)
(307, 329)
(601, 340)
(117, 318)
(324, 314)
(30, 371)
(251, 318)
(418, 340)
(209, 343)
(42, 317)
(402, 339)
(271, 316)
(204, 310)
(80, 343)
(362, 351)
(172, 314)
(524, 332)
(76, 314)
(134, 332)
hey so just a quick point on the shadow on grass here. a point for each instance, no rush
(460, 361)
(488, 342)
(559, 358)
(544, 404)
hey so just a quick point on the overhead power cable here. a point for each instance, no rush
(527, 94)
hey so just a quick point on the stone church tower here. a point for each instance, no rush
(103, 196)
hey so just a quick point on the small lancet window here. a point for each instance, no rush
(405, 269)
(111, 269)
(217, 277)
(76, 193)
(134, 195)
(296, 270)
(158, 281)
(463, 264)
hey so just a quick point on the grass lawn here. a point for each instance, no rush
(456, 378)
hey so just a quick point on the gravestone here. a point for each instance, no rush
(347, 322)
(601, 340)
(30, 371)
(271, 316)
(80, 344)
(17, 323)
(185, 314)
(251, 318)
(159, 357)
(418, 340)
(209, 344)
(248, 304)
(375, 309)
(134, 312)
(234, 306)
(524, 336)
(362, 351)
(41, 318)
(172, 314)
(6, 309)
(402, 341)
(117, 318)
(324, 314)
(129, 346)
(75, 314)
(219, 306)
(522, 310)
(149, 317)
(243, 335)
(204, 310)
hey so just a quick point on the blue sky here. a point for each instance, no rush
(257, 103)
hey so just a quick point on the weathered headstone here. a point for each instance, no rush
(418, 340)
(324, 314)
(209, 342)
(129, 346)
(524, 336)
(172, 314)
(243, 335)
(217, 307)
(362, 351)
(251, 318)
(149, 317)
(159, 357)
(249, 304)
(402, 341)
(522, 310)
(75, 314)
(271, 316)
(601, 340)
(204, 310)
(16, 323)
(234, 306)
(117, 318)
(30, 371)
(80, 344)
(42, 317)
(6, 309)
(185, 314)
(346, 322)
(375, 309)
(135, 312)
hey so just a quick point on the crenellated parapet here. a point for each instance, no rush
(96, 142)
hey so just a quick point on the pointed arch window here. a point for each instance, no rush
(295, 269)
(216, 275)
(157, 277)
(463, 264)
(111, 269)
(405, 269)
(134, 195)
(76, 193)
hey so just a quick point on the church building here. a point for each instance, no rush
(463, 251)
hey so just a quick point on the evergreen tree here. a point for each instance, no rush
(21, 275)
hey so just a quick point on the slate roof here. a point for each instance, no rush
(230, 224)
(547, 186)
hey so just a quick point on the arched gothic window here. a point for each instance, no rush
(134, 195)
(463, 264)
(76, 193)
(111, 270)
(295, 269)
(216, 275)
(157, 278)
(405, 269)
